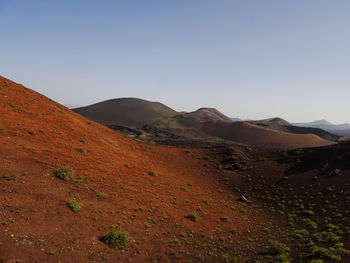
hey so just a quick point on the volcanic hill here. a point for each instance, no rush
(153, 122)
(129, 112)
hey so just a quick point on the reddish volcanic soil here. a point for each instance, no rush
(39, 135)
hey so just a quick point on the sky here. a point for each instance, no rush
(250, 59)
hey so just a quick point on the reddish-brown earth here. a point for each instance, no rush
(39, 135)
(251, 134)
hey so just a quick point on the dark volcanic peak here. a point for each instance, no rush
(208, 114)
(130, 112)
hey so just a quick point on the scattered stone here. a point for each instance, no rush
(242, 199)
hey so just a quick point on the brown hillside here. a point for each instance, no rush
(208, 114)
(39, 135)
(251, 134)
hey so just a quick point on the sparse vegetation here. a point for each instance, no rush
(64, 172)
(118, 239)
(280, 250)
(152, 173)
(225, 219)
(81, 150)
(334, 172)
(102, 195)
(192, 216)
(7, 177)
(75, 206)
(1, 128)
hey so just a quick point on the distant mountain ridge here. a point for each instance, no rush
(285, 126)
(154, 122)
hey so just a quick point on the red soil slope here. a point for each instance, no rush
(251, 134)
(39, 135)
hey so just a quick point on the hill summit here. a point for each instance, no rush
(209, 114)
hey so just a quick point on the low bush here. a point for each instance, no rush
(81, 150)
(225, 219)
(64, 172)
(192, 216)
(118, 239)
(101, 195)
(75, 206)
(277, 248)
(152, 173)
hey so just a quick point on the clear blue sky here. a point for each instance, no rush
(249, 59)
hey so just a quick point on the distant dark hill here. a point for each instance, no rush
(283, 125)
(153, 122)
(208, 114)
(128, 112)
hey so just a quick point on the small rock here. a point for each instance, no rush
(242, 199)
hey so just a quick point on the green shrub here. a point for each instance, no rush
(277, 248)
(118, 239)
(81, 150)
(300, 233)
(335, 252)
(233, 230)
(64, 172)
(334, 172)
(205, 201)
(192, 216)
(225, 219)
(307, 213)
(327, 237)
(311, 224)
(1, 128)
(75, 206)
(152, 173)
(101, 195)
(31, 132)
(7, 177)
(50, 252)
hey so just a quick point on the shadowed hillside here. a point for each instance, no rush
(282, 125)
(129, 112)
(251, 134)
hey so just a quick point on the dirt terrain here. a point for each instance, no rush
(178, 204)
